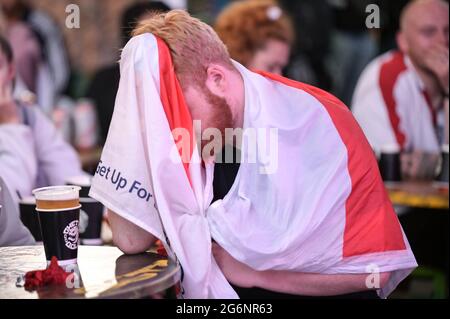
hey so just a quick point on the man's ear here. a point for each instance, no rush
(401, 42)
(216, 80)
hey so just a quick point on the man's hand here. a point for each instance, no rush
(437, 62)
(234, 271)
(8, 109)
(419, 165)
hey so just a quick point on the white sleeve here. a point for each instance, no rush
(370, 111)
(12, 231)
(57, 160)
(18, 163)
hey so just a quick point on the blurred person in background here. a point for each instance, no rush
(32, 153)
(401, 95)
(12, 231)
(390, 23)
(47, 74)
(26, 49)
(105, 82)
(43, 73)
(352, 45)
(259, 35)
(313, 24)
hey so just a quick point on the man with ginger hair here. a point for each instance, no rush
(401, 96)
(318, 225)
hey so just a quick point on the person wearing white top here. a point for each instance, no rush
(401, 96)
(12, 231)
(32, 153)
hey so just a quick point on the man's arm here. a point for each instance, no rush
(130, 239)
(309, 284)
(296, 283)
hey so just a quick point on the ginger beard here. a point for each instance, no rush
(220, 118)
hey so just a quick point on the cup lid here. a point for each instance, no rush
(60, 192)
(390, 148)
(80, 180)
(28, 200)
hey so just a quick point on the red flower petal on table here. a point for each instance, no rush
(54, 274)
(160, 249)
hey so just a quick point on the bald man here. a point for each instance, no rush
(401, 96)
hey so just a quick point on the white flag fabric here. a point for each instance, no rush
(139, 176)
(324, 209)
(312, 201)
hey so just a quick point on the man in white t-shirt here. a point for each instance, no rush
(32, 153)
(401, 96)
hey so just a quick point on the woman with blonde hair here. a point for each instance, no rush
(257, 33)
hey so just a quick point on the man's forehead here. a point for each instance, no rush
(426, 13)
(429, 19)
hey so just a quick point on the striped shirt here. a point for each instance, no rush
(392, 106)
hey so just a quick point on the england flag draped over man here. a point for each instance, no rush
(319, 224)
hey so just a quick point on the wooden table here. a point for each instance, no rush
(105, 273)
(419, 194)
(422, 208)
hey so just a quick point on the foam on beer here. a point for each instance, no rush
(57, 197)
(56, 193)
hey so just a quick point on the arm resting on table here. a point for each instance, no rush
(128, 237)
(291, 282)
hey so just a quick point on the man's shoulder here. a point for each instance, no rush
(314, 91)
(387, 66)
(386, 74)
(391, 67)
(340, 115)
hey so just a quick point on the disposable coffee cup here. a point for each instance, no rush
(83, 181)
(58, 210)
(91, 218)
(444, 171)
(389, 163)
(91, 212)
(29, 216)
